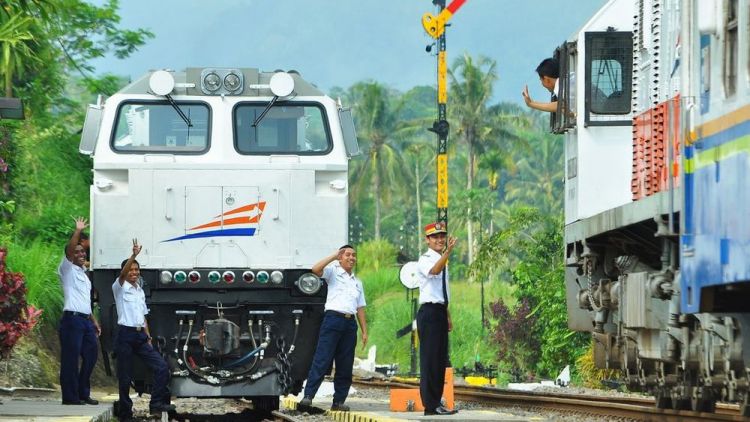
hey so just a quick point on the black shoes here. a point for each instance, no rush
(89, 400)
(339, 407)
(307, 401)
(159, 408)
(79, 402)
(440, 411)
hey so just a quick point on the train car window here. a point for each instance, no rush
(609, 65)
(731, 48)
(156, 127)
(298, 129)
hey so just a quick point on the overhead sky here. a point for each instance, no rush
(340, 42)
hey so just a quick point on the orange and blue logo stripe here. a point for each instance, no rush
(242, 221)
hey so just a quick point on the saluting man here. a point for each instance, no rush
(338, 332)
(433, 318)
(134, 339)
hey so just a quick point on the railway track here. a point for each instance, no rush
(639, 409)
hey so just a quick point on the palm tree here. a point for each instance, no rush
(540, 180)
(376, 113)
(471, 90)
(15, 48)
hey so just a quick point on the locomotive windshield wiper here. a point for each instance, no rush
(162, 83)
(178, 110)
(282, 85)
(265, 110)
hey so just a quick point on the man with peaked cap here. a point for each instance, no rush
(433, 317)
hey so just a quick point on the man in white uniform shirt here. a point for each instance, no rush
(433, 318)
(549, 73)
(78, 327)
(134, 339)
(338, 331)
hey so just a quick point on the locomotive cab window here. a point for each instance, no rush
(609, 63)
(156, 127)
(298, 129)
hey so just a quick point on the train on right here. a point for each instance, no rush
(654, 105)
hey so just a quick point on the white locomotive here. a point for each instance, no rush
(235, 183)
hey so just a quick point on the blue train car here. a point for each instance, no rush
(654, 105)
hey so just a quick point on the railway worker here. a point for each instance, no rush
(433, 317)
(78, 326)
(549, 73)
(338, 332)
(134, 339)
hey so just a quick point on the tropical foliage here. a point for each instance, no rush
(505, 179)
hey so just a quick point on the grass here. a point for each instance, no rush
(38, 262)
(389, 309)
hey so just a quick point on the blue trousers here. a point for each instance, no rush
(432, 327)
(336, 342)
(77, 342)
(129, 344)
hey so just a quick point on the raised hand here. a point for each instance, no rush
(136, 247)
(525, 94)
(81, 223)
(451, 243)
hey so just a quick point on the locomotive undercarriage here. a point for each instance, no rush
(255, 344)
(626, 283)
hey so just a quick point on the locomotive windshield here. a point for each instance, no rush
(157, 127)
(299, 129)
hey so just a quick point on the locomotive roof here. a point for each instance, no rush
(192, 75)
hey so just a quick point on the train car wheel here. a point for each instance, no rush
(266, 403)
(745, 405)
(680, 403)
(663, 398)
(703, 401)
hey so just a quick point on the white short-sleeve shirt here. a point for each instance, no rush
(345, 291)
(131, 304)
(431, 286)
(76, 287)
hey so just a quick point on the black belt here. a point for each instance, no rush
(341, 314)
(126, 328)
(442, 305)
(74, 313)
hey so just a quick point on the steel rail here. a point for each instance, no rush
(634, 408)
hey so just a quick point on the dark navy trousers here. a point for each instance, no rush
(77, 343)
(432, 327)
(336, 342)
(129, 344)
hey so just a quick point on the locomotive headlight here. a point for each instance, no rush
(309, 284)
(194, 276)
(212, 82)
(248, 276)
(277, 277)
(180, 277)
(228, 277)
(232, 82)
(262, 277)
(165, 277)
(213, 277)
